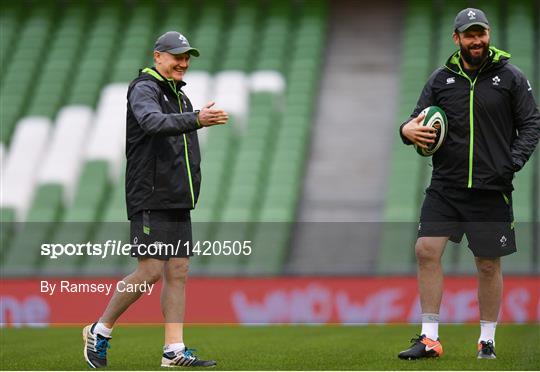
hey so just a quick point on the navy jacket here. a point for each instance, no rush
(162, 147)
(493, 122)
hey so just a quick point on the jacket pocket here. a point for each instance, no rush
(506, 172)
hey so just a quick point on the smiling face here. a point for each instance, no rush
(171, 66)
(474, 45)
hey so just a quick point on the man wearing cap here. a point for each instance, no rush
(493, 128)
(162, 186)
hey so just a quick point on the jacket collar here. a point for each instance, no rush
(174, 85)
(495, 57)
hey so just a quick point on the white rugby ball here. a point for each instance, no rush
(434, 118)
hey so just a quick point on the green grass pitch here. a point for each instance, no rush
(275, 348)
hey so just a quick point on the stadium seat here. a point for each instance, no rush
(59, 64)
(259, 61)
(22, 163)
(32, 42)
(62, 161)
(521, 44)
(55, 180)
(231, 90)
(267, 81)
(177, 16)
(447, 12)
(206, 37)
(198, 89)
(402, 200)
(10, 18)
(107, 138)
(95, 57)
(23, 256)
(111, 224)
(2, 154)
(238, 55)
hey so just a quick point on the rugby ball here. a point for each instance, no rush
(434, 118)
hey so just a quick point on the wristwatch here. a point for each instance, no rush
(197, 117)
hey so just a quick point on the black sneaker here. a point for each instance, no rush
(95, 347)
(184, 358)
(486, 350)
(422, 347)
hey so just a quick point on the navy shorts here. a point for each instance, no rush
(484, 216)
(161, 233)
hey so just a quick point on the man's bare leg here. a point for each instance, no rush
(175, 274)
(429, 251)
(96, 337)
(173, 302)
(490, 286)
(149, 270)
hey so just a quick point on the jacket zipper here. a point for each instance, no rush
(154, 175)
(471, 131)
(188, 167)
(471, 120)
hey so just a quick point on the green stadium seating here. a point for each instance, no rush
(396, 254)
(10, 19)
(80, 217)
(67, 52)
(247, 179)
(111, 225)
(23, 254)
(208, 35)
(241, 37)
(8, 227)
(23, 68)
(134, 52)
(57, 69)
(520, 43)
(101, 45)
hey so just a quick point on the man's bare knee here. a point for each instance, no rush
(428, 249)
(150, 270)
(488, 267)
(176, 270)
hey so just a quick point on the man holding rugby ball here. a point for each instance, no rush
(493, 128)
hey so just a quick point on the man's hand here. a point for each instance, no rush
(415, 132)
(209, 116)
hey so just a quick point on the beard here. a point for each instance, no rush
(470, 59)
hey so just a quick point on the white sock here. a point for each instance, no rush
(178, 346)
(430, 325)
(487, 331)
(102, 330)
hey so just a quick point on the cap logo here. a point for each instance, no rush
(182, 38)
(472, 15)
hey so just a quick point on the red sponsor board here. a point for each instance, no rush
(347, 300)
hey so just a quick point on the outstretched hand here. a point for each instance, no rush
(418, 134)
(209, 116)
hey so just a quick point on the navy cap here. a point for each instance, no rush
(175, 43)
(470, 17)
